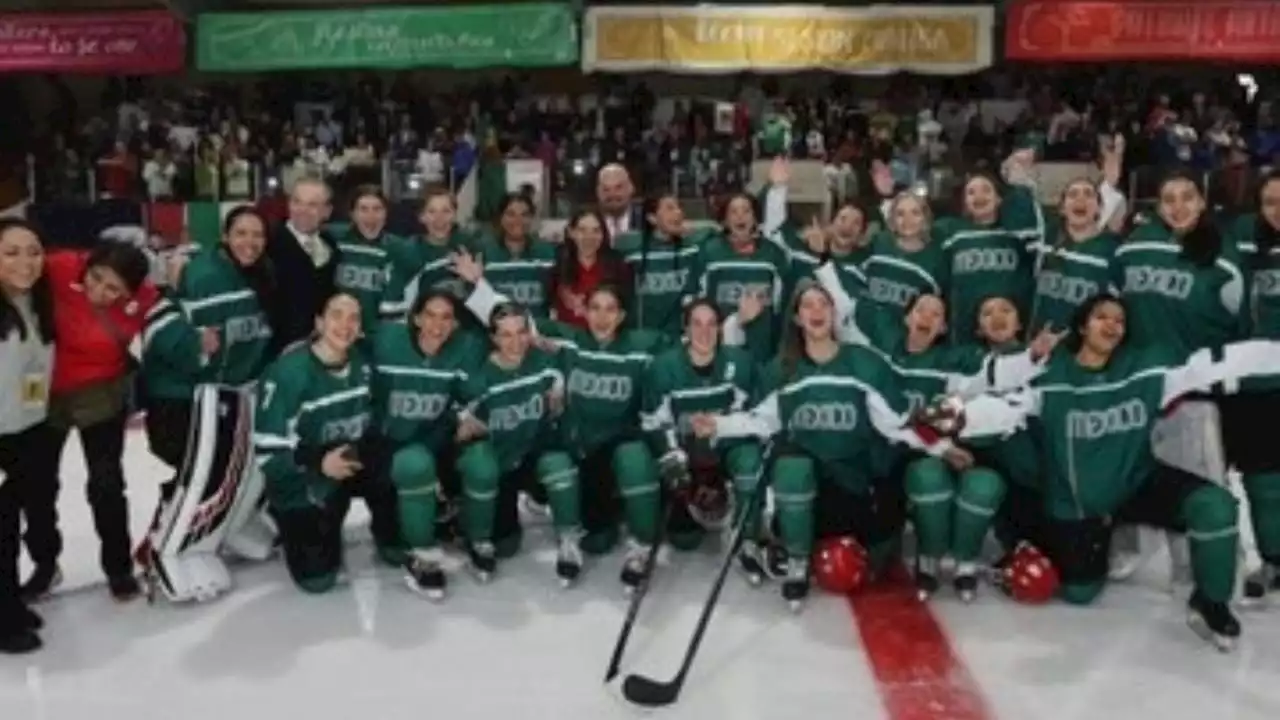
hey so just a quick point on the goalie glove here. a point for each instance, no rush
(944, 415)
(673, 467)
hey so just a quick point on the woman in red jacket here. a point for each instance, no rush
(585, 261)
(99, 301)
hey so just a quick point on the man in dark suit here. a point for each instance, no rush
(616, 197)
(304, 263)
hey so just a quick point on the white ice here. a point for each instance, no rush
(522, 648)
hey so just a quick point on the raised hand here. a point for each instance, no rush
(815, 237)
(750, 305)
(1042, 345)
(467, 266)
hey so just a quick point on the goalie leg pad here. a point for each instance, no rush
(217, 465)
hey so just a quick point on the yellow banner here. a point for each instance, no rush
(720, 39)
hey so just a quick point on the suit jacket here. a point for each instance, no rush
(302, 288)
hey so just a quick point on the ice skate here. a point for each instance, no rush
(484, 562)
(926, 578)
(568, 559)
(751, 563)
(423, 574)
(633, 567)
(795, 588)
(774, 559)
(966, 582)
(1259, 583)
(1213, 622)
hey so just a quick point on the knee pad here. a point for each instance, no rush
(634, 467)
(794, 478)
(413, 470)
(983, 486)
(1210, 508)
(926, 479)
(478, 467)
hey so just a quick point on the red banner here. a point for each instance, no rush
(134, 43)
(1061, 30)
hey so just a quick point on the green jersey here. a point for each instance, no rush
(1171, 300)
(675, 389)
(362, 271)
(214, 293)
(990, 261)
(419, 264)
(1068, 273)
(512, 404)
(521, 272)
(935, 372)
(415, 395)
(896, 276)
(663, 275)
(725, 275)
(841, 412)
(603, 384)
(1262, 275)
(304, 407)
(172, 358)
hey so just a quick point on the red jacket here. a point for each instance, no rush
(603, 272)
(86, 350)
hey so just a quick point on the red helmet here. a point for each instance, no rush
(1029, 577)
(840, 565)
(708, 499)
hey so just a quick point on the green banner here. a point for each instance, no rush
(458, 36)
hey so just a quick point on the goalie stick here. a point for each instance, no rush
(645, 691)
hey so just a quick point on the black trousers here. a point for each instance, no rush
(1081, 549)
(103, 446)
(29, 460)
(311, 537)
(1248, 433)
(1021, 517)
(168, 423)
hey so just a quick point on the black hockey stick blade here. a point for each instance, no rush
(650, 693)
(633, 610)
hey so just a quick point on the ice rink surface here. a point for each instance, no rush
(521, 648)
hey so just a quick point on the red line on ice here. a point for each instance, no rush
(918, 673)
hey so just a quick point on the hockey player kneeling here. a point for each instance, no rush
(1096, 405)
(316, 450)
(701, 376)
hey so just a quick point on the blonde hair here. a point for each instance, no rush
(924, 210)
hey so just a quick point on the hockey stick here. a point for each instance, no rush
(652, 693)
(633, 610)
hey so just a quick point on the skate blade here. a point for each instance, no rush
(1200, 627)
(432, 594)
